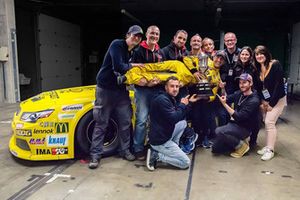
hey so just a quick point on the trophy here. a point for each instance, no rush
(203, 87)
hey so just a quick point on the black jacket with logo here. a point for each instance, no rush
(143, 54)
(164, 114)
(246, 109)
(172, 52)
(230, 62)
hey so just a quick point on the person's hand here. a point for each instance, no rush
(265, 103)
(222, 98)
(185, 100)
(269, 108)
(222, 84)
(194, 98)
(197, 76)
(142, 82)
(155, 81)
(141, 65)
(263, 108)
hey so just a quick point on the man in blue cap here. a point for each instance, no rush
(231, 137)
(112, 97)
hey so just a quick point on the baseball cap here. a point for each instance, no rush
(135, 29)
(245, 77)
(220, 53)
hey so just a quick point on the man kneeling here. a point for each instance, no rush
(167, 123)
(244, 116)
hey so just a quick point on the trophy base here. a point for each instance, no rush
(203, 90)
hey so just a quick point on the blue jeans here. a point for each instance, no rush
(143, 96)
(169, 152)
(111, 103)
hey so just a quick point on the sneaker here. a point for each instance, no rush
(189, 145)
(94, 163)
(268, 155)
(128, 155)
(152, 157)
(140, 155)
(238, 153)
(206, 143)
(262, 151)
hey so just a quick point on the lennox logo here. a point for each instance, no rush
(72, 107)
(59, 151)
(62, 127)
(47, 131)
(57, 140)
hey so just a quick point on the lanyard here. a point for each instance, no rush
(241, 100)
(265, 74)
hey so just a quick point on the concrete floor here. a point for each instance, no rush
(210, 177)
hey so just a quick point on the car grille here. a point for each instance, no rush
(22, 144)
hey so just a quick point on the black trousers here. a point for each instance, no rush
(228, 137)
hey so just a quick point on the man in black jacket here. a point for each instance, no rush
(176, 49)
(226, 72)
(167, 123)
(244, 116)
(112, 97)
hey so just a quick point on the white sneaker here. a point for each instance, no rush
(268, 155)
(262, 151)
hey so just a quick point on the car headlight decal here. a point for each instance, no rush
(34, 116)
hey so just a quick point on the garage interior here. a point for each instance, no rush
(46, 60)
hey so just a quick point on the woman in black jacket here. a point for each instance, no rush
(271, 89)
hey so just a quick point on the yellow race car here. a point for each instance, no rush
(58, 125)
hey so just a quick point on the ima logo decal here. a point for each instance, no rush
(53, 151)
(62, 127)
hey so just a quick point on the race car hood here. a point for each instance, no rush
(49, 99)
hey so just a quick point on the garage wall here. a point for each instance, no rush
(294, 72)
(60, 57)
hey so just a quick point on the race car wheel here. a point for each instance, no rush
(84, 133)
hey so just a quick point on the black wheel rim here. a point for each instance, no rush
(110, 136)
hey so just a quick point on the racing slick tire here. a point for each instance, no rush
(83, 136)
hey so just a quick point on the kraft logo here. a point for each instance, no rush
(47, 131)
(72, 107)
(57, 140)
(24, 132)
(59, 151)
(37, 141)
(62, 127)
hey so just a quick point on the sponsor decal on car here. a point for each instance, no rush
(19, 125)
(24, 132)
(37, 141)
(66, 116)
(46, 124)
(62, 127)
(52, 151)
(42, 151)
(57, 140)
(43, 131)
(74, 107)
(59, 151)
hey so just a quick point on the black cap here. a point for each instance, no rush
(135, 29)
(221, 53)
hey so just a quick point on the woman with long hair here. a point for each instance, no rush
(271, 88)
